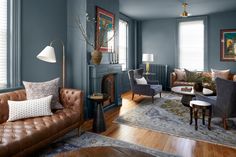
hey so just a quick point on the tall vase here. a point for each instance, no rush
(198, 87)
(96, 57)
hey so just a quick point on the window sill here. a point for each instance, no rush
(9, 89)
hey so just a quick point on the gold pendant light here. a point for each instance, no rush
(184, 13)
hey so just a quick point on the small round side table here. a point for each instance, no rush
(195, 105)
(99, 124)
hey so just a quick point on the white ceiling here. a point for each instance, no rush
(151, 9)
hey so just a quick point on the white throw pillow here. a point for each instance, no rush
(29, 108)
(141, 80)
(224, 74)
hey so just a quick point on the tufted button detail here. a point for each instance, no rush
(25, 133)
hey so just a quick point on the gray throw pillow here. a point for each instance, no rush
(36, 90)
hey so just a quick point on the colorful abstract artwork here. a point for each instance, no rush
(228, 45)
(105, 31)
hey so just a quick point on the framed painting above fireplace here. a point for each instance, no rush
(105, 30)
(228, 45)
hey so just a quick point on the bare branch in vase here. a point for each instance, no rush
(78, 22)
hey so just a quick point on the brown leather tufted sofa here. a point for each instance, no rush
(174, 82)
(23, 137)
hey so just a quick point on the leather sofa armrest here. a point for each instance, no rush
(234, 77)
(73, 99)
(173, 78)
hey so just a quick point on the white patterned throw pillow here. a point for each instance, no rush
(141, 80)
(29, 108)
(35, 90)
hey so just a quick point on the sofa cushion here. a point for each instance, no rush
(19, 135)
(29, 108)
(35, 90)
(183, 83)
(157, 88)
(224, 74)
(181, 74)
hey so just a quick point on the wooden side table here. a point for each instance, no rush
(99, 124)
(195, 105)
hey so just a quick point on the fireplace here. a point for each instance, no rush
(104, 78)
(108, 87)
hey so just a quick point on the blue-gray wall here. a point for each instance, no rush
(216, 22)
(159, 37)
(42, 21)
(76, 46)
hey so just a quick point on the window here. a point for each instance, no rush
(123, 43)
(191, 44)
(10, 43)
(3, 43)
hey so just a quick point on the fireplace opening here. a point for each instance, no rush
(108, 87)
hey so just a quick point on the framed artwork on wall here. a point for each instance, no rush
(105, 30)
(228, 44)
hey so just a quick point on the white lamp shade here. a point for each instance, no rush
(147, 57)
(47, 55)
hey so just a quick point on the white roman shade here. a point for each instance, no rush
(3, 43)
(123, 43)
(191, 45)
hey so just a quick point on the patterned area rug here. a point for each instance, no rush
(168, 115)
(72, 142)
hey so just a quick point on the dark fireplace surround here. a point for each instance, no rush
(103, 78)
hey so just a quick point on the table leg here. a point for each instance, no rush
(99, 120)
(191, 115)
(209, 118)
(203, 116)
(195, 117)
(186, 99)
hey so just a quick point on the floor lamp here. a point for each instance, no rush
(48, 55)
(147, 58)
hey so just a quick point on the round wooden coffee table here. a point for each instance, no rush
(187, 95)
(104, 151)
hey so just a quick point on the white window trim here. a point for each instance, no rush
(14, 44)
(204, 18)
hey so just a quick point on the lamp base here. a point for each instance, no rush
(147, 68)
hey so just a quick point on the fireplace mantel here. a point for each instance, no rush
(96, 71)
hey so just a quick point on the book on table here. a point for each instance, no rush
(96, 96)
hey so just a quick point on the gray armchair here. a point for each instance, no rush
(150, 89)
(224, 104)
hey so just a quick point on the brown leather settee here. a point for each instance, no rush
(174, 82)
(23, 137)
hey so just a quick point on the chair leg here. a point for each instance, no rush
(225, 123)
(132, 96)
(79, 131)
(160, 94)
(152, 99)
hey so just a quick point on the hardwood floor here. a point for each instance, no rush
(152, 139)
